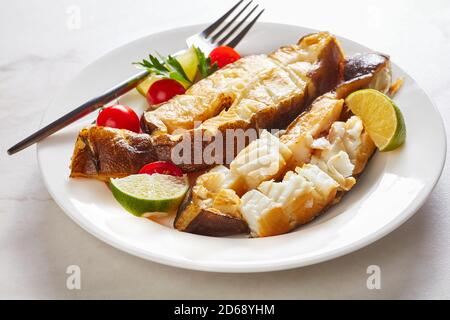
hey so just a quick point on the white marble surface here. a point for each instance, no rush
(39, 54)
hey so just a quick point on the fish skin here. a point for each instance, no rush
(103, 153)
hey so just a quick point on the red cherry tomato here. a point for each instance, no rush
(120, 117)
(161, 167)
(224, 55)
(163, 90)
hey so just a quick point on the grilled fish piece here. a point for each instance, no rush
(316, 57)
(269, 158)
(206, 98)
(220, 218)
(264, 159)
(278, 207)
(361, 64)
(102, 153)
(272, 99)
(255, 92)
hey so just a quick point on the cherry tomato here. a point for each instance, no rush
(224, 55)
(161, 167)
(120, 117)
(163, 90)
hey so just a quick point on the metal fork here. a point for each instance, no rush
(230, 35)
(210, 37)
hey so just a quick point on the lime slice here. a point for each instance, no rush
(189, 62)
(382, 119)
(143, 193)
(145, 85)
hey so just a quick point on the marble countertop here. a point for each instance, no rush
(45, 44)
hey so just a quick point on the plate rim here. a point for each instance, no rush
(281, 264)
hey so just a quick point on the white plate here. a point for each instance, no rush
(392, 188)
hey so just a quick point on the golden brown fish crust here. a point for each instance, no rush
(104, 153)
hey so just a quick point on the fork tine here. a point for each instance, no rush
(221, 41)
(219, 33)
(233, 43)
(219, 21)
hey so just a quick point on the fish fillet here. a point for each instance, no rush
(278, 207)
(271, 99)
(262, 91)
(270, 159)
(103, 152)
(315, 57)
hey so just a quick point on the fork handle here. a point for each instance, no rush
(81, 111)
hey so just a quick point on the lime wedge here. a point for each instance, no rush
(382, 119)
(189, 62)
(143, 193)
(145, 85)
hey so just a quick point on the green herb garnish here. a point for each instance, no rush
(204, 64)
(168, 68)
